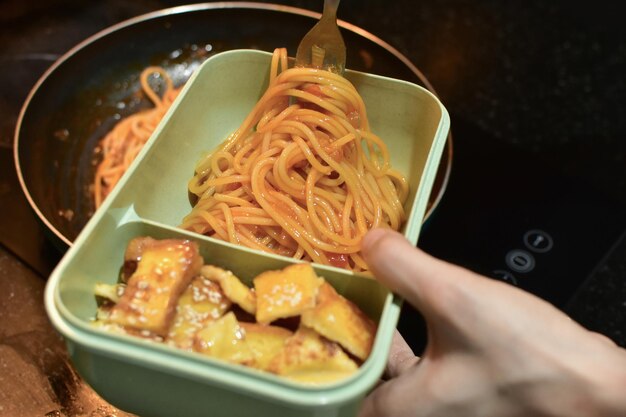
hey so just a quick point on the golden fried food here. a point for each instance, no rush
(134, 249)
(202, 302)
(285, 293)
(225, 339)
(309, 357)
(340, 320)
(164, 271)
(166, 295)
(232, 286)
(266, 341)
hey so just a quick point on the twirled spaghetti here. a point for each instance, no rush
(303, 176)
(122, 144)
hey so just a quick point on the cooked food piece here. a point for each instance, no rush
(133, 253)
(164, 271)
(237, 291)
(111, 327)
(340, 320)
(266, 341)
(224, 338)
(202, 302)
(119, 329)
(285, 293)
(310, 358)
(109, 292)
(316, 336)
(134, 249)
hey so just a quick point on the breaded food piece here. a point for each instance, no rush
(310, 358)
(266, 341)
(109, 292)
(237, 291)
(285, 293)
(118, 329)
(202, 302)
(110, 327)
(149, 302)
(340, 320)
(224, 339)
(132, 254)
(134, 249)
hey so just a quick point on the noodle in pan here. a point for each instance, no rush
(121, 145)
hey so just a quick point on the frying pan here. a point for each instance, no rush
(81, 97)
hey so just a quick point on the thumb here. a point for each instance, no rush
(429, 284)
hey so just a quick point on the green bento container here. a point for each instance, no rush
(151, 379)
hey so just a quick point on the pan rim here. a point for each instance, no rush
(190, 8)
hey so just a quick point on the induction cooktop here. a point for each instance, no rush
(513, 218)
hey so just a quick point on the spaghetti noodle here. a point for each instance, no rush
(303, 176)
(122, 144)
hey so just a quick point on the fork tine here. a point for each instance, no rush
(323, 46)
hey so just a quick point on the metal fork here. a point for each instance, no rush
(323, 46)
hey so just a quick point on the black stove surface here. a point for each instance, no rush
(511, 217)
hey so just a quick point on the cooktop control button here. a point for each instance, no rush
(505, 276)
(520, 260)
(538, 241)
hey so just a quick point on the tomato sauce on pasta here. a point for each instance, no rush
(121, 145)
(303, 176)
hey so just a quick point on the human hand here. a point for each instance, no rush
(492, 350)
